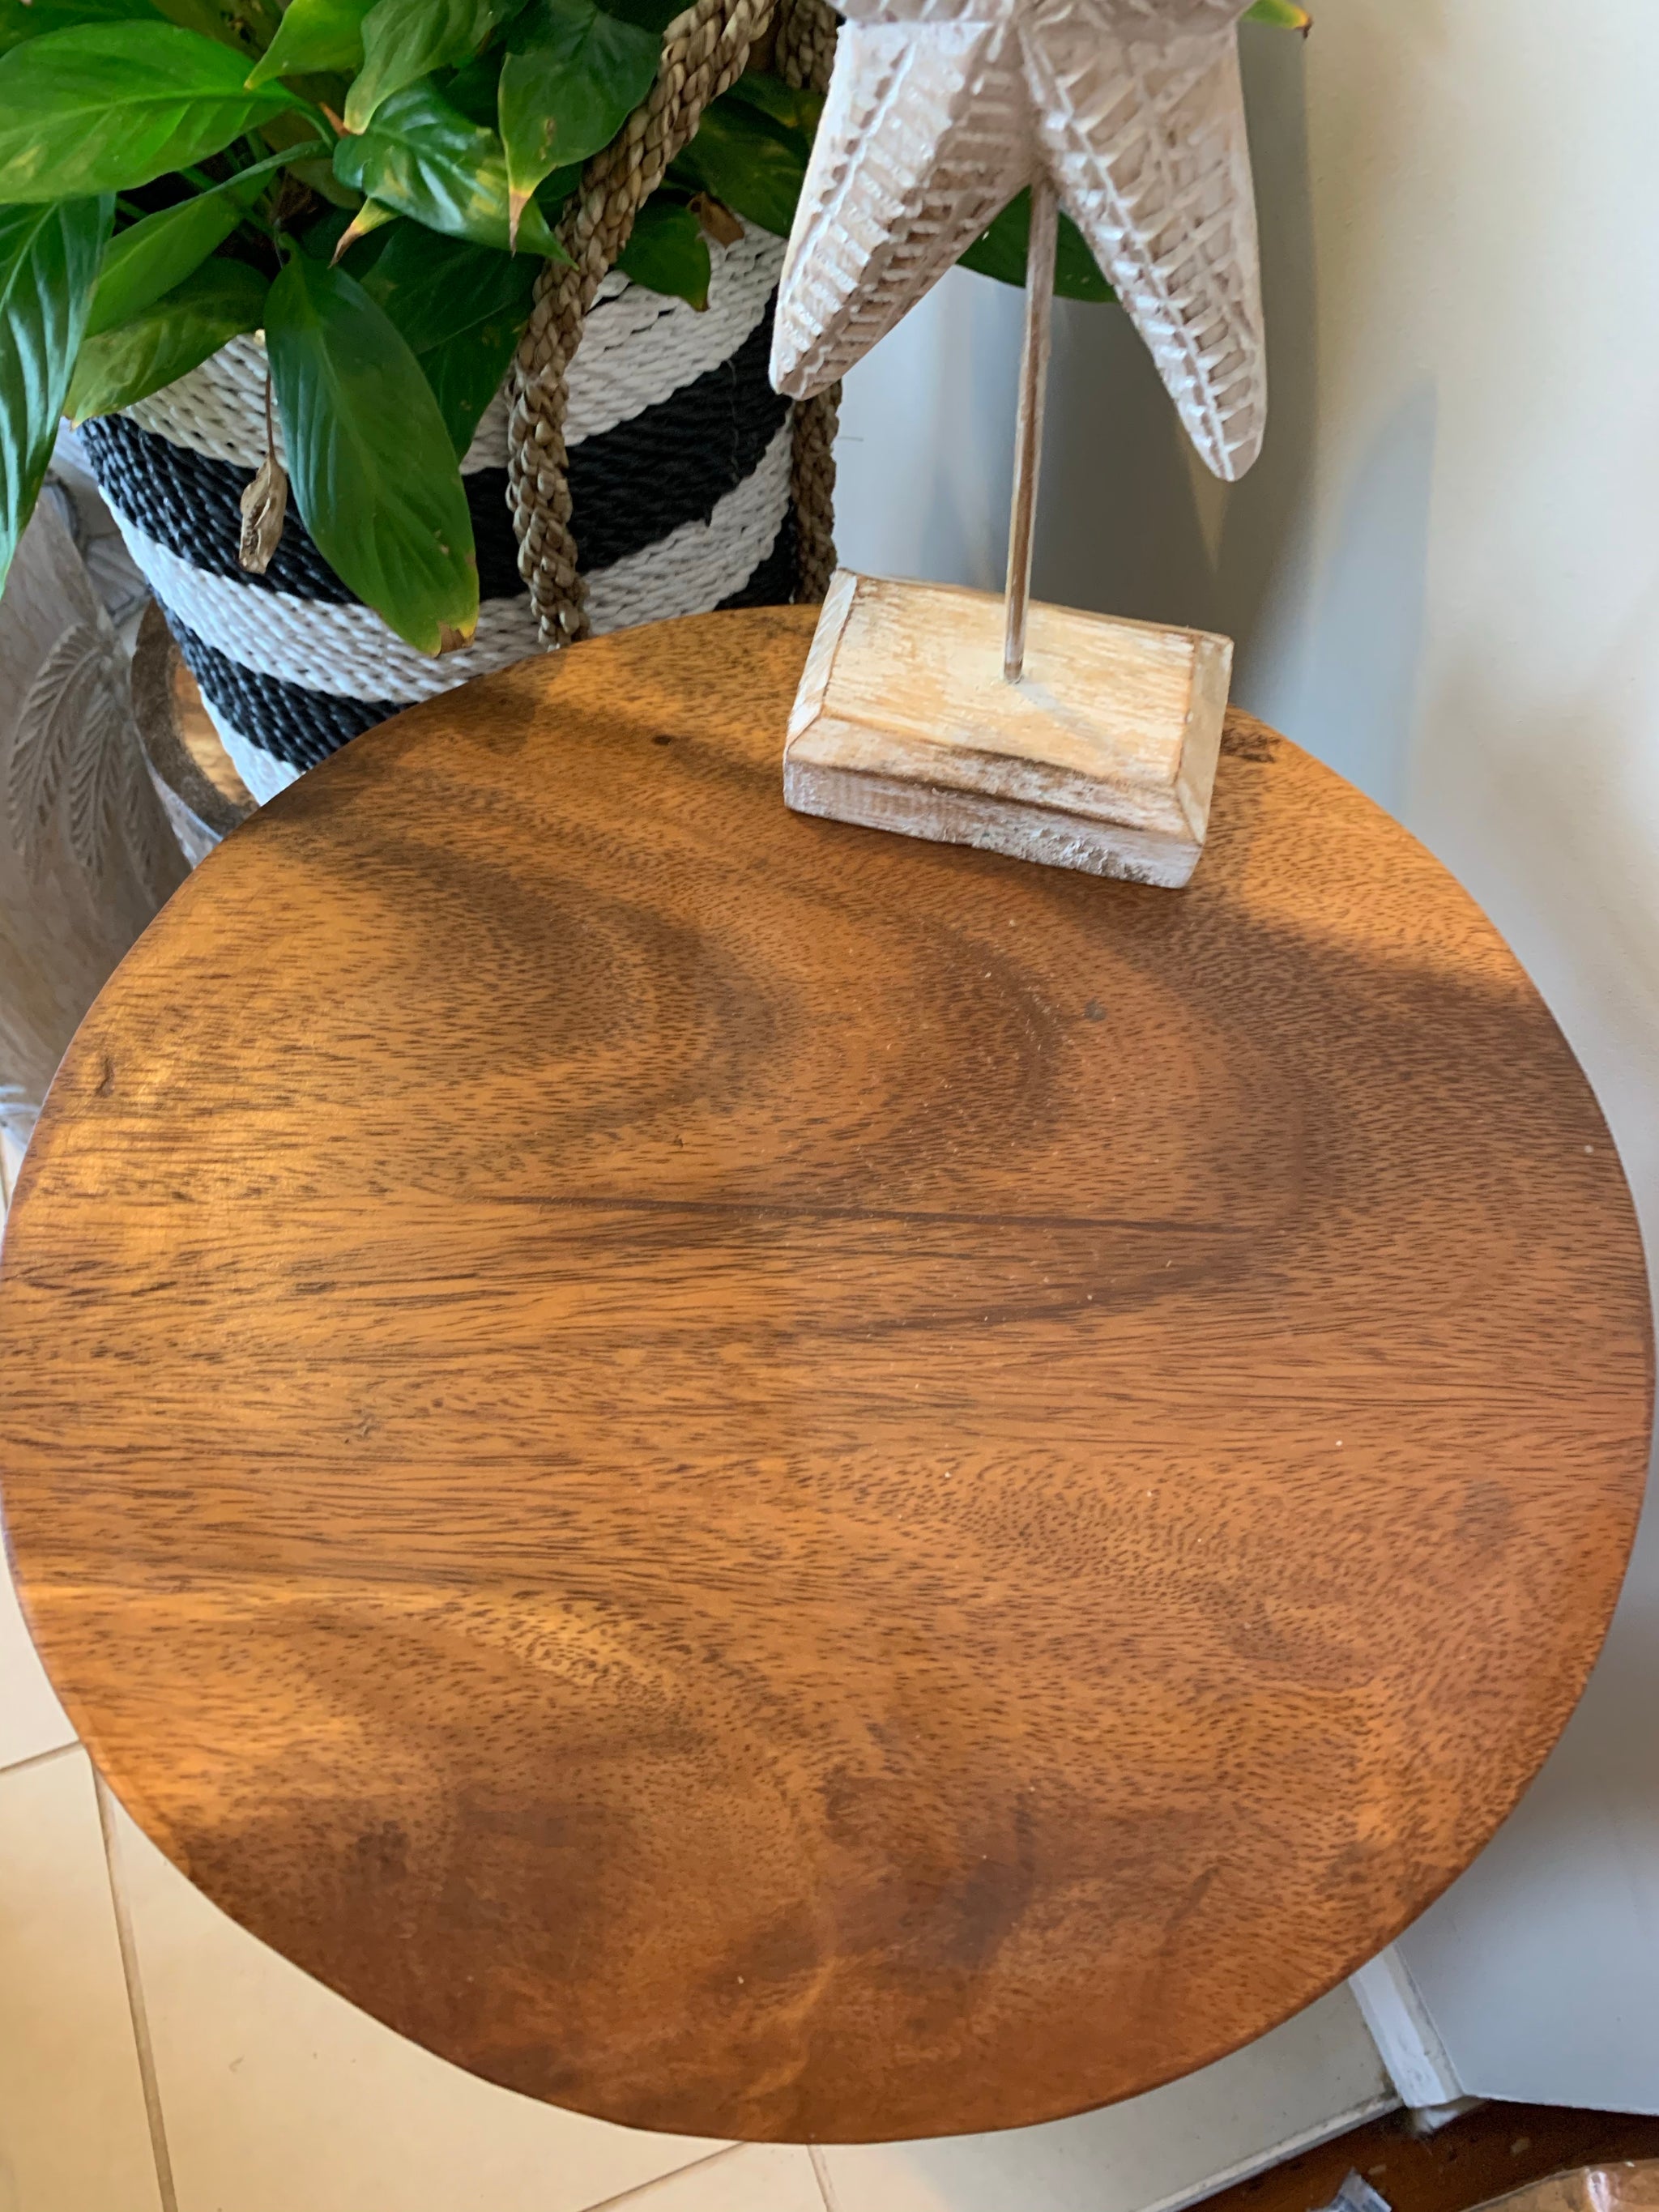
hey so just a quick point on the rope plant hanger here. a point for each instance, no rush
(705, 50)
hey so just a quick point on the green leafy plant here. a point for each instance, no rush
(373, 184)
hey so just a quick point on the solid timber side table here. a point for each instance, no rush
(777, 1482)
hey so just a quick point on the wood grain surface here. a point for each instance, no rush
(786, 1483)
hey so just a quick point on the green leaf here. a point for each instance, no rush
(652, 15)
(243, 25)
(797, 107)
(475, 88)
(315, 34)
(143, 262)
(373, 467)
(434, 288)
(167, 338)
(746, 160)
(1000, 253)
(114, 105)
(404, 39)
(572, 78)
(465, 372)
(366, 221)
(320, 238)
(48, 265)
(422, 157)
(556, 189)
(462, 308)
(1076, 273)
(32, 19)
(668, 252)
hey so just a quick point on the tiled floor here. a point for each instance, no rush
(154, 2058)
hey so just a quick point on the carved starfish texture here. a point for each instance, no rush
(940, 111)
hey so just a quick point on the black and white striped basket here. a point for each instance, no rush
(679, 474)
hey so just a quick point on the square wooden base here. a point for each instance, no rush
(1101, 757)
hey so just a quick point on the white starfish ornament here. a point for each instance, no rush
(918, 711)
(1131, 111)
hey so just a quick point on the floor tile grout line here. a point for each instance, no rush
(642, 2190)
(135, 2005)
(821, 2175)
(37, 1757)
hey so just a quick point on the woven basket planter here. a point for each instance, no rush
(679, 475)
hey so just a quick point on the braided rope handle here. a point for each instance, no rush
(804, 53)
(804, 47)
(705, 50)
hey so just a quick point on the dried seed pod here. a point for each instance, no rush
(263, 504)
(264, 507)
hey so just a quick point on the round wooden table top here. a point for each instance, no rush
(779, 1482)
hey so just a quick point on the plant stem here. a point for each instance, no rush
(319, 118)
(309, 150)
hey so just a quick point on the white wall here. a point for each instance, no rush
(924, 458)
(1444, 577)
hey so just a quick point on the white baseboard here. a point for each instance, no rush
(1310, 2138)
(1407, 2039)
(1314, 2076)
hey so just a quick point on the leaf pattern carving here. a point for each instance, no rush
(940, 111)
(75, 763)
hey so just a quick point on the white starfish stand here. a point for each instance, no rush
(1074, 739)
(1052, 735)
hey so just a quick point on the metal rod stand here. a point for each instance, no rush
(1028, 429)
